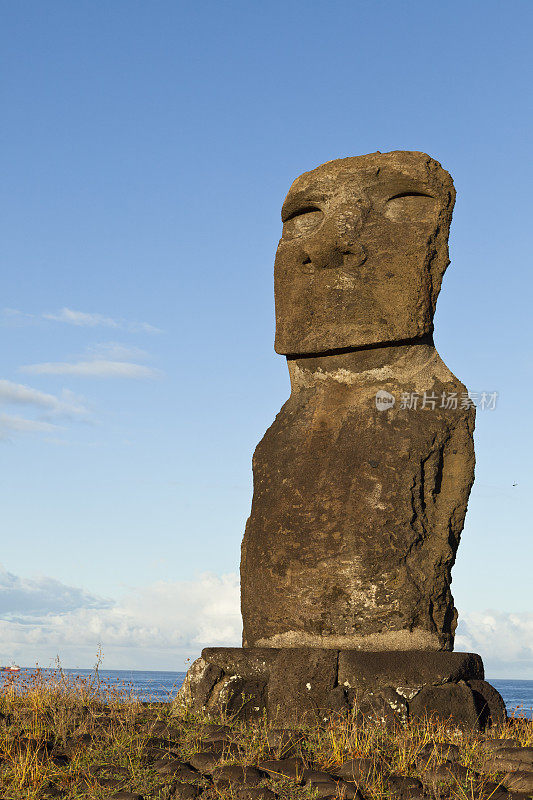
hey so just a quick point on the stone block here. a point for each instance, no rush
(253, 662)
(405, 671)
(453, 701)
(198, 685)
(489, 702)
(238, 696)
(303, 685)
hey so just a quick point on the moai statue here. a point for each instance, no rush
(361, 483)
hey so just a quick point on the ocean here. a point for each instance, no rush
(517, 695)
(162, 686)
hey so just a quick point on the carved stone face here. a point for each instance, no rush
(363, 251)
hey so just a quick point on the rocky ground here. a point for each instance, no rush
(69, 743)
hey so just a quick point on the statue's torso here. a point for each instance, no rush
(357, 511)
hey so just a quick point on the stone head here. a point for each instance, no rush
(363, 251)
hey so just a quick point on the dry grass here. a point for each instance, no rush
(63, 736)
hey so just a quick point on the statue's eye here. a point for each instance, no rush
(302, 221)
(411, 207)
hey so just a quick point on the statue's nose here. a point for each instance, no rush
(338, 241)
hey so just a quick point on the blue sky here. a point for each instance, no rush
(146, 149)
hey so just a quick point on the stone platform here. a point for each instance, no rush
(293, 685)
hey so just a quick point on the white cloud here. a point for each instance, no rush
(37, 597)
(10, 424)
(94, 320)
(15, 318)
(67, 404)
(96, 368)
(82, 318)
(504, 640)
(115, 351)
(156, 626)
(49, 407)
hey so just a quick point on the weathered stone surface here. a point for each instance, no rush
(446, 774)
(517, 754)
(208, 688)
(205, 762)
(235, 774)
(438, 750)
(198, 685)
(220, 738)
(514, 794)
(325, 788)
(454, 701)
(406, 671)
(357, 512)
(237, 695)
(510, 758)
(185, 791)
(298, 684)
(127, 796)
(520, 781)
(227, 748)
(383, 705)
(489, 702)
(254, 663)
(402, 786)
(358, 506)
(284, 768)
(363, 252)
(498, 744)
(502, 764)
(174, 767)
(303, 685)
(358, 769)
(255, 793)
(316, 775)
(213, 728)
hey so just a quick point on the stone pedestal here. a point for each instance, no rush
(295, 685)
